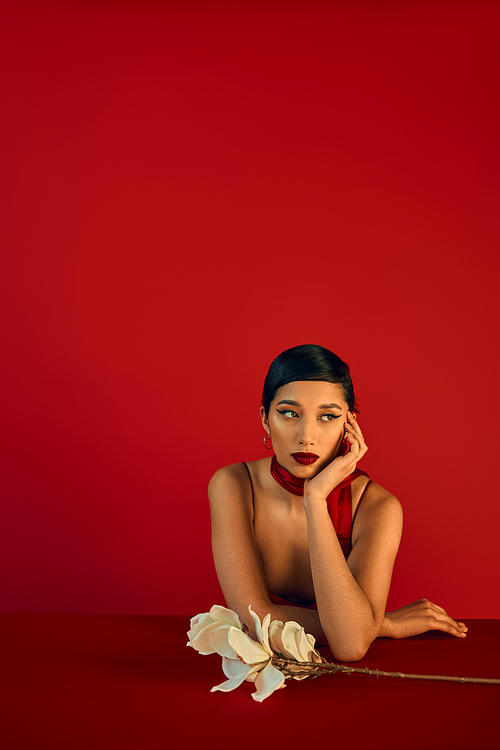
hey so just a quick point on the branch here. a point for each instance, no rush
(301, 670)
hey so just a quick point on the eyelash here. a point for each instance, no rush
(290, 411)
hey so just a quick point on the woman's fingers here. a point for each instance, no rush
(427, 603)
(353, 431)
(353, 424)
(355, 446)
(440, 620)
(448, 625)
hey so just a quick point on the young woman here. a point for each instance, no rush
(304, 534)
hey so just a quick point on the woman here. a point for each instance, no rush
(304, 534)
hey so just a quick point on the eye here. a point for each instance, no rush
(329, 417)
(287, 413)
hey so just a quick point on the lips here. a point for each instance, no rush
(305, 458)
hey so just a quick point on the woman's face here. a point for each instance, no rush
(306, 417)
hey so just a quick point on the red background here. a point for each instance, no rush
(189, 189)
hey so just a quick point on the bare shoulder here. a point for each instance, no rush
(234, 485)
(378, 506)
(376, 494)
(229, 480)
(239, 474)
(226, 474)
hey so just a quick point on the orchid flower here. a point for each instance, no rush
(244, 659)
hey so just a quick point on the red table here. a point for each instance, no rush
(128, 681)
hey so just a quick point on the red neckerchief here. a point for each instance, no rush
(295, 485)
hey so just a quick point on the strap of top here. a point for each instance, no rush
(250, 478)
(339, 503)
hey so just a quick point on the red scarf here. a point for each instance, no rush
(339, 500)
(295, 485)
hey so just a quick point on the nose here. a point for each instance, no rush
(305, 433)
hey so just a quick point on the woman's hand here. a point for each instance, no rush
(419, 617)
(323, 483)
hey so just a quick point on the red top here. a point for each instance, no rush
(339, 503)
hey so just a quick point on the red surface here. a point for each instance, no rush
(75, 681)
(187, 190)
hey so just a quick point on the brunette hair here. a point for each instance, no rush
(307, 362)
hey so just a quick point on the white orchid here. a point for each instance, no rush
(244, 659)
(207, 630)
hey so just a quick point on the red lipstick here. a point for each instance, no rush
(305, 458)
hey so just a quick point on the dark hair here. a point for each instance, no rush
(307, 362)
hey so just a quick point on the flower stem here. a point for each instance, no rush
(296, 669)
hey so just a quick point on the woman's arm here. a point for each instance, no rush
(363, 583)
(236, 558)
(351, 596)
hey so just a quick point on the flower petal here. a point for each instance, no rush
(219, 640)
(267, 681)
(265, 631)
(253, 673)
(312, 655)
(247, 649)
(305, 646)
(197, 628)
(201, 638)
(256, 622)
(283, 638)
(301, 644)
(235, 667)
(262, 631)
(289, 639)
(222, 614)
(233, 682)
(198, 624)
(275, 633)
(237, 672)
(200, 618)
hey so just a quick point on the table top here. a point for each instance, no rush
(128, 681)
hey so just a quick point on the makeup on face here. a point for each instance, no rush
(305, 458)
(307, 425)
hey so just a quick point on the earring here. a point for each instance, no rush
(269, 447)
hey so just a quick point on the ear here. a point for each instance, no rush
(265, 421)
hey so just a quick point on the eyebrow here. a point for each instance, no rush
(321, 406)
